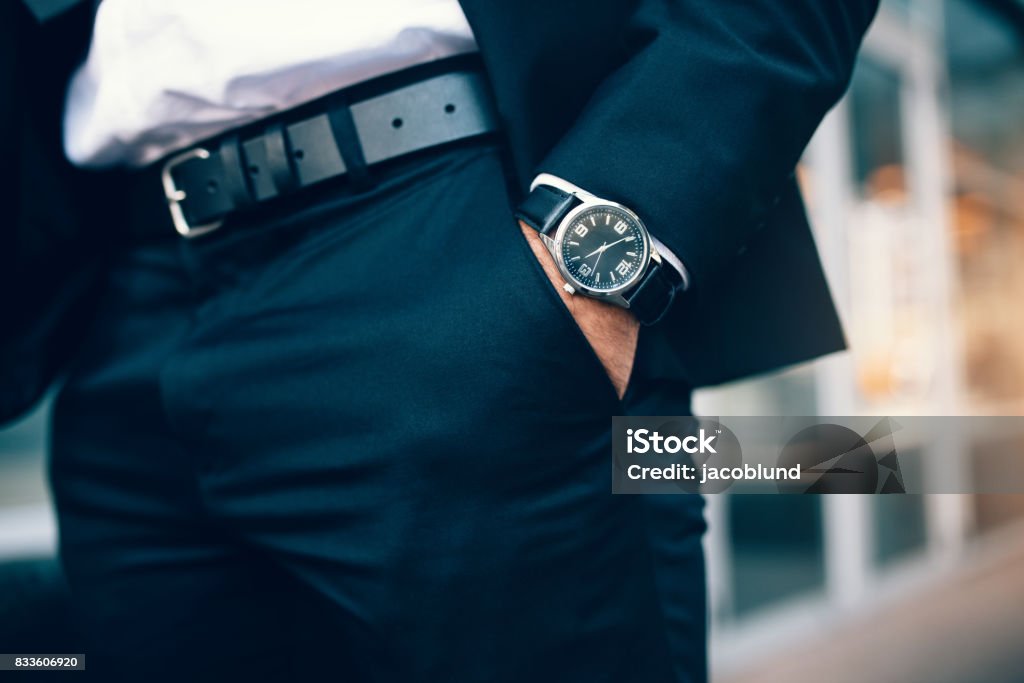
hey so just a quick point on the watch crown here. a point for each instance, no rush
(569, 288)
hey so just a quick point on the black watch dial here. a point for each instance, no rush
(604, 248)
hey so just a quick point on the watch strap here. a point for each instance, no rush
(545, 207)
(650, 299)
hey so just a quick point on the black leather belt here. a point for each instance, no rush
(340, 136)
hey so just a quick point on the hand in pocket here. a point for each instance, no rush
(612, 331)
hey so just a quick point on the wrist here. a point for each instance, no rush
(611, 330)
(585, 304)
(602, 247)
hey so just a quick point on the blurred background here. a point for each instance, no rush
(915, 183)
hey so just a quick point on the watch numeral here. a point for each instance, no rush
(621, 227)
(581, 230)
(585, 270)
(623, 267)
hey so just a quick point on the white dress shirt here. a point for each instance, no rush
(162, 74)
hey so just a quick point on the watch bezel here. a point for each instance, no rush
(587, 204)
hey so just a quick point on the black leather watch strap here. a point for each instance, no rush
(545, 207)
(650, 299)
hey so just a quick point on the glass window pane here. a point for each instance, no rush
(777, 548)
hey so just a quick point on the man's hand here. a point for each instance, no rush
(611, 330)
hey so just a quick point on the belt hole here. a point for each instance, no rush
(396, 123)
(298, 154)
(211, 186)
(254, 170)
(449, 108)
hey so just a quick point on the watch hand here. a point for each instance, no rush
(601, 249)
(606, 246)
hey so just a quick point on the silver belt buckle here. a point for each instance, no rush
(175, 195)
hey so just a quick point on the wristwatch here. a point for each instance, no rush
(602, 248)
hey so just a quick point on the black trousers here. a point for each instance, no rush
(362, 440)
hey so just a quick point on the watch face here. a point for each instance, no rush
(604, 248)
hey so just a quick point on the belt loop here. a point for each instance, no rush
(235, 184)
(346, 137)
(279, 161)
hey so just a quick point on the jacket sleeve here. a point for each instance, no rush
(48, 260)
(701, 127)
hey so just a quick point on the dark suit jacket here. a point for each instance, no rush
(692, 112)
